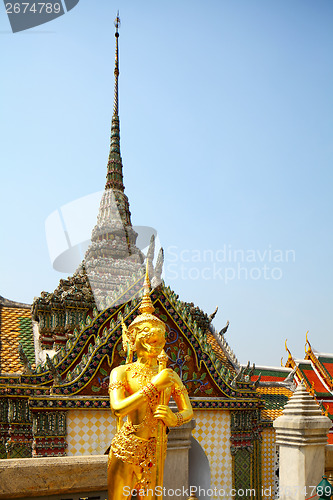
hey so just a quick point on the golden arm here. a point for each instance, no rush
(185, 413)
(121, 405)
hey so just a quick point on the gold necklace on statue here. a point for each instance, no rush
(143, 373)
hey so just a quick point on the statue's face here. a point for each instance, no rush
(150, 339)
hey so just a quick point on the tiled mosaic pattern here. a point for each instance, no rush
(15, 327)
(89, 432)
(212, 432)
(268, 459)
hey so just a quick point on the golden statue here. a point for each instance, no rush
(141, 391)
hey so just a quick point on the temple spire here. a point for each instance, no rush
(114, 178)
(116, 66)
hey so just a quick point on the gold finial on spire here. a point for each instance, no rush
(146, 303)
(116, 67)
(117, 22)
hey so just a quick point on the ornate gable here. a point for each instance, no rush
(80, 368)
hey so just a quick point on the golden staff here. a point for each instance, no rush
(161, 429)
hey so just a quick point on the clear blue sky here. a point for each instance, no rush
(226, 137)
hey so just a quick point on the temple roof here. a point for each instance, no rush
(273, 388)
(80, 369)
(12, 303)
(275, 384)
(16, 330)
(315, 371)
(274, 398)
(270, 373)
(81, 296)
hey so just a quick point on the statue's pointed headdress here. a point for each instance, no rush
(146, 309)
(146, 303)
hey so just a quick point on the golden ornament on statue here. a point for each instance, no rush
(141, 391)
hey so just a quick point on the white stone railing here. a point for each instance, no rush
(39, 477)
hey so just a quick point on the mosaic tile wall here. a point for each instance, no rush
(89, 432)
(268, 460)
(212, 432)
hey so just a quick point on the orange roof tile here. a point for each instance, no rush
(10, 336)
(275, 390)
(219, 351)
(313, 378)
(328, 366)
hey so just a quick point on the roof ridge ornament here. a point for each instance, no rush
(313, 357)
(290, 357)
(309, 349)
